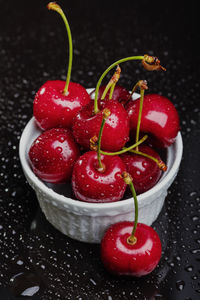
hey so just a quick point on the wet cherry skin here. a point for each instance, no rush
(53, 154)
(51, 108)
(120, 94)
(159, 118)
(144, 171)
(91, 185)
(121, 258)
(115, 132)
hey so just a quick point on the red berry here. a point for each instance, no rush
(159, 118)
(51, 108)
(144, 171)
(121, 258)
(53, 154)
(116, 130)
(92, 185)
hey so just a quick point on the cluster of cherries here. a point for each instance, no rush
(86, 139)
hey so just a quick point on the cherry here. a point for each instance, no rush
(159, 118)
(97, 178)
(121, 258)
(51, 108)
(57, 102)
(53, 154)
(91, 184)
(116, 132)
(120, 94)
(87, 122)
(144, 171)
(130, 248)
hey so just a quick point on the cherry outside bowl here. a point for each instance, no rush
(87, 222)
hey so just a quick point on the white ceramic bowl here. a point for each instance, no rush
(87, 222)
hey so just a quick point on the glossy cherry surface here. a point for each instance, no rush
(91, 185)
(116, 129)
(159, 118)
(53, 154)
(144, 171)
(51, 108)
(121, 258)
(120, 94)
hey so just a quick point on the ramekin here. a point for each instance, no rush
(87, 222)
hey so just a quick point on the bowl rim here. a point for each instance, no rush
(63, 200)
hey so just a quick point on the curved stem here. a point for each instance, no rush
(112, 90)
(159, 162)
(128, 180)
(132, 237)
(106, 90)
(144, 154)
(99, 144)
(124, 150)
(139, 116)
(106, 114)
(105, 73)
(112, 82)
(54, 6)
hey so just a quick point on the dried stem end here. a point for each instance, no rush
(152, 63)
(142, 84)
(127, 177)
(106, 113)
(116, 75)
(94, 143)
(162, 165)
(54, 6)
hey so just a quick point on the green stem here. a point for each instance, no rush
(99, 144)
(132, 240)
(139, 116)
(145, 155)
(106, 90)
(133, 90)
(106, 114)
(105, 73)
(112, 82)
(132, 237)
(112, 90)
(54, 6)
(124, 150)
(159, 162)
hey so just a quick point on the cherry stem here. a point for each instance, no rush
(139, 116)
(106, 114)
(112, 90)
(159, 162)
(96, 109)
(141, 84)
(112, 81)
(128, 180)
(54, 6)
(124, 150)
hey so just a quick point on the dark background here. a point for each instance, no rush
(33, 49)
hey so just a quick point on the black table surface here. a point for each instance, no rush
(33, 47)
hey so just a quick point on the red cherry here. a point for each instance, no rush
(92, 185)
(144, 171)
(120, 94)
(116, 131)
(51, 108)
(57, 102)
(53, 154)
(122, 258)
(159, 117)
